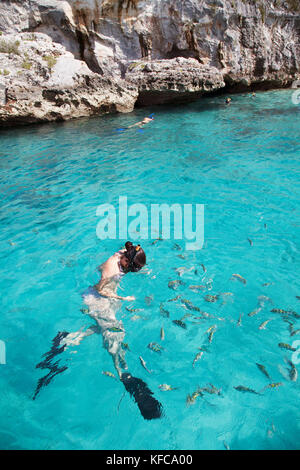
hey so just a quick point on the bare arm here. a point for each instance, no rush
(109, 293)
(112, 295)
(106, 285)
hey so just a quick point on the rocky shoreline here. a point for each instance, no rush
(62, 60)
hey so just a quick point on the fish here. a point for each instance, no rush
(189, 305)
(155, 347)
(210, 328)
(241, 388)
(187, 315)
(211, 298)
(267, 284)
(286, 312)
(239, 277)
(84, 310)
(162, 333)
(288, 320)
(175, 298)
(254, 312)
(290, 327)
(176, 247)
(197, 357)
(239, 322)
(181, 271)
(294, 314)
(69, 263)
(203, 267)
(263, 370)
(298, 297)
(283, 372)
(293, 373)
(156, 240)
(226, 445)
(286, 346)
(197, 287)
(125, 346)
(180, 323)
(181, 256)
(211, 332)
(137, 317)
(271, 431)
(263, 325)
(250, 241)
(278, 310)
(144, 364)
(129, 309)
(109, 374)
(166, 387)
(295, 332)
(204, 315)
(115, 329)
(273, 385)
(190, 399)
(163, 311)
(262, 299)
(212, 390)
(174, 284)
(148, 299)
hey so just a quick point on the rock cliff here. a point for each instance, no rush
(66, 59)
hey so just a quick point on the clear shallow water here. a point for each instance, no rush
(242, 162)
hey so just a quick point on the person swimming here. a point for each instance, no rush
(146, 120)
(228, 100)
(103, 302)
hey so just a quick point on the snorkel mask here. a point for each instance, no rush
(133, 267)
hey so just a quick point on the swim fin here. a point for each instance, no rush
(149, 407)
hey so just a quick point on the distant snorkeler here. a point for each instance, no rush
(146, 120)
(228, 100)
(103, 302)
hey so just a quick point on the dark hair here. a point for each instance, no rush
(136, 257)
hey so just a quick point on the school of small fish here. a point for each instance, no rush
(196, 316)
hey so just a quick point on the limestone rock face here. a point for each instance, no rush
(42, 81)
(64, 59)
(177, 79)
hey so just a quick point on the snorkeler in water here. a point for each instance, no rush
(146, 120)
(228, 100)
(103, 302)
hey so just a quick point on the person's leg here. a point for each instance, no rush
(73, 339)
(112, 342)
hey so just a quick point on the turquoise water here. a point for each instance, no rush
(242, 162)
